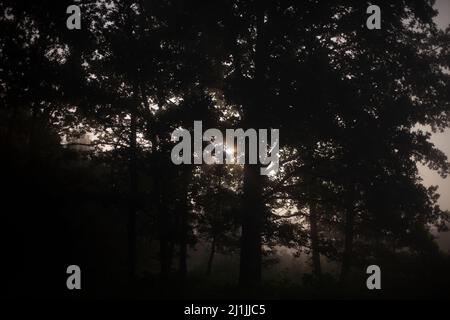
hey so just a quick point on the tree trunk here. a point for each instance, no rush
(183, 247)
(252, 216)
(131, 227)
(252, 206)
(163, 221)
(184, 225)
(348, 245)
(314, 239)
(32, 147)
(170, 255)
(211, 256)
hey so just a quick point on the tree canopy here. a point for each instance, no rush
(86, 123)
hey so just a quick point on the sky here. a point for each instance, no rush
(443, 19)
(441, 140)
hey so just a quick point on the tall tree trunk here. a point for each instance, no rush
(252, 206)
(164, 255)
(252, 218)
(183, 246)
(314, 239)
(32, 147)
(163, 220)
(10, 135)
(211, 256)
(348, 245)
(132, 153)
(184, 225)
(170, 253)
(217, 218)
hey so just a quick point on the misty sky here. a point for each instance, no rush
(441, 140)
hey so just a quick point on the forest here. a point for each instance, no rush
(86, 117)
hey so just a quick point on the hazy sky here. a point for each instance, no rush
(443, 19)
(441, 140)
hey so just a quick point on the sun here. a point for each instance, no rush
(229, 150)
